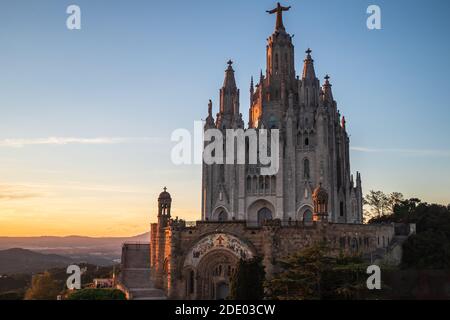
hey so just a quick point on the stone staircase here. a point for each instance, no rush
(135, 278)
(391, 255)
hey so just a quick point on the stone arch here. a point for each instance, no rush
(304, 211)
(214, 271)
(220, 213)
(209, 242)
(256, 206)
(264, 214)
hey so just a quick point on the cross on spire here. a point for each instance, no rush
(165, 189)
(279, 11)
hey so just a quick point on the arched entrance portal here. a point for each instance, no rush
(213, 260)
(264, 214)
(214, 273)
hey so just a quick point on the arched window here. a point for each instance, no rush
(306, 172)
(263, 215)
(266, 184)
(261, 184)
(249, 185)
(273, 185)
(354, 245)
(222, 216)
(276, 61)
(306, 142)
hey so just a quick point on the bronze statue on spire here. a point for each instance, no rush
(279, 11)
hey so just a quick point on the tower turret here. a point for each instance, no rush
(280, 54)
(320, 199)
(309, 86)
(164, 205)
(328, 94)
(309, 74)
(229, 100)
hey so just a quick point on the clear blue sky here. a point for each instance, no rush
(140, 69)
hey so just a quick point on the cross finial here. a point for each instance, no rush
(308, 52)
(230, 63)
(165, 189)
(327, 77)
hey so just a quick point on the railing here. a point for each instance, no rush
(253, 223)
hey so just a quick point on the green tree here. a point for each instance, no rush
(315, 273)
(429, 248)
(96, 294)
(247, 282)
(394, 199)
(43, 287)
(378, 202)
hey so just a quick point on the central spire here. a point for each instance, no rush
(279, 11)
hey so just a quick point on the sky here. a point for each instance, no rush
(86, 115)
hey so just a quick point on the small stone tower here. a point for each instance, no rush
(320, 200)
(164, 204)
(158, 239)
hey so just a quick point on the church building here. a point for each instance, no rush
(313, 197)
(314, 144)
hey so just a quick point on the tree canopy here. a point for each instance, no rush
(43, 287)
(315, 273)
(247, 280)
(96, 294)
(429, 248)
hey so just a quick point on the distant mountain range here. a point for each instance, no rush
(25, 261)
(35, 254)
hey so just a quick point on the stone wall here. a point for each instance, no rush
(271, 241)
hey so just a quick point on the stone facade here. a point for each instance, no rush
(314, 145)
(195, 262)
(312, 198)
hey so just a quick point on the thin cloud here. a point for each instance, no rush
(61, 141)
(418, 152)
(17, 193)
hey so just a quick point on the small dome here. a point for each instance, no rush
(164, 195)
(320, 194)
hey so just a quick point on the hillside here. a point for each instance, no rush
(26, 261)
(38, 252)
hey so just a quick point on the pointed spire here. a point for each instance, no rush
(261, 77)
(308, 67)
(229, 99)
(328, 94)
(229, 81)
(252, 87)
